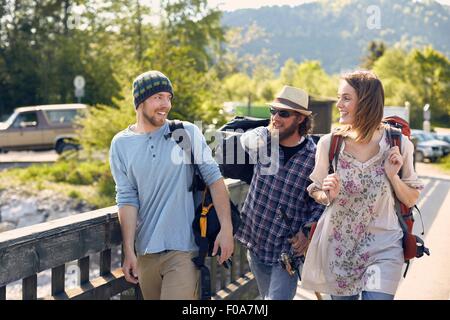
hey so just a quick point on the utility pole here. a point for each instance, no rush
(426, 118)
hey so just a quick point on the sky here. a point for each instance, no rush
(229, 5)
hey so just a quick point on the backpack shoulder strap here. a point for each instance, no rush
(395, 139)
(199, 260)
(176, 125)
(333, 153)
(394, 136)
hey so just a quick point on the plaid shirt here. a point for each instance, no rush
(264, 230)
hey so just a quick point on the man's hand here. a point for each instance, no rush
(127, 219)
(225, 241)
(129, 268)
(299, 243)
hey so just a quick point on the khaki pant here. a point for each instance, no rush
(169, 275)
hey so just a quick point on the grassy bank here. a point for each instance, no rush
(90, 181)
(444, 164)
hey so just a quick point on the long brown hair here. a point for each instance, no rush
(369, 111)
(306, 126)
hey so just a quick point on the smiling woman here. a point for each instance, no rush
(360, 194)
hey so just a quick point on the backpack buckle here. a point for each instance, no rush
(421, 249)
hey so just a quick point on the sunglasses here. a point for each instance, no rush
(282, 113)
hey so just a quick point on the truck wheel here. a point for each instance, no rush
(68, 147)
(62, 146)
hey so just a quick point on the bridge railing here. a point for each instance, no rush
(75, 240)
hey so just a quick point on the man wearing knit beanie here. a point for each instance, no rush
(155, 207)
(153, 90)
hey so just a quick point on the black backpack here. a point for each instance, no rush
(206, 224)
(227, 152)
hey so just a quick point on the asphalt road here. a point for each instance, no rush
(429, 277)
(26, 158)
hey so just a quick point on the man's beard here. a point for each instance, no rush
(286, 132)
(153, 120)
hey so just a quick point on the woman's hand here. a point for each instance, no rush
(393, 162)
(331, 185)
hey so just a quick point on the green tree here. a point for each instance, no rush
(392, 68)
(166, 49)
(44, 47)
(102, 123)
(429, 74)
(288, 72)
(375, 50)
(420, 77)
(240, 87)
(311, 77)
(193, 25)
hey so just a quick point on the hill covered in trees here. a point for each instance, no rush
(337, 33)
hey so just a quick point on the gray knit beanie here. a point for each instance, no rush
(149, 83)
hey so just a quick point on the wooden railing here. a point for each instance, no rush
(53, 245)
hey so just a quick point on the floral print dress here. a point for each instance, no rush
(357, 242)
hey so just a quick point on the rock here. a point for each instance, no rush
(17, 208)
(6, 226)
(22, 209)
(30, 220)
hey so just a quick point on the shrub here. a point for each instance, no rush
(74, 194)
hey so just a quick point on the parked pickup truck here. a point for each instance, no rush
(41, 128)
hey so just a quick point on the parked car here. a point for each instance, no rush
(427, 147)
(443, 137)
(428, 136)
(41, 128)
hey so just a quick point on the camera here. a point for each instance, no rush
(290, 263)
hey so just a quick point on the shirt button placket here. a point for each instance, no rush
(152, 147)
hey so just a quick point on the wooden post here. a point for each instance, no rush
(213, 273)
(83, 264)
(233, 266)
(29, 287)
(223, 277)
(138, 293)
(105, 262)
(242, 260)
(3, 293)
(58, 279)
